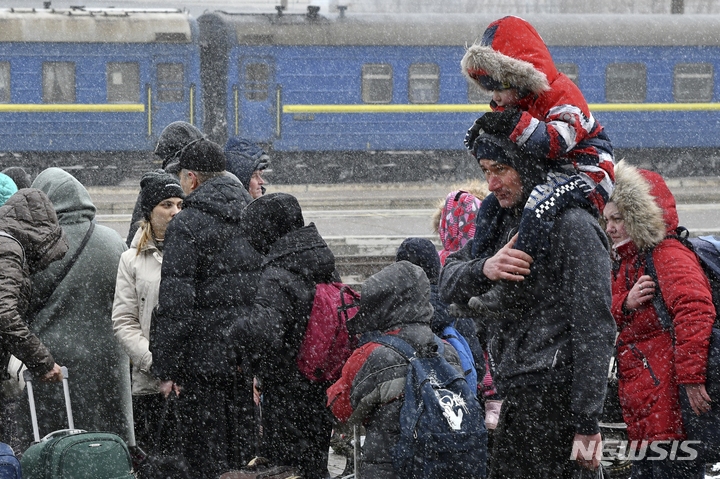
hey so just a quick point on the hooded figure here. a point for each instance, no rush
(650, 364)
(245, 158)
(295, 259)
(75, 321)
(554, 119)
(395, 300)
(36, 240)
(422, 252)
(545, 114)
(456, 221)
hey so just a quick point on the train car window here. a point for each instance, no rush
(424, 83)
(377, 83)
(693, 82)
(626, 83)
(475, 94)
(570, 70)
(257, 78)
(58, 82)
(170, 78)
(123, 82)
(4, 82)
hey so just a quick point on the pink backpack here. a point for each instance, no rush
(327, 345)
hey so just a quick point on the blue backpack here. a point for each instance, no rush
(442, 431)
(9, 464)
(467, 361)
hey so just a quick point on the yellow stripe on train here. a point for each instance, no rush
(449, 108)
(70, 108)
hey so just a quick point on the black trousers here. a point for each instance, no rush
(533, 439)
(157, 424)
(667, 469)
(218, 425)
(297, 424)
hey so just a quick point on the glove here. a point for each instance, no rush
(500, 123)
(472, 134)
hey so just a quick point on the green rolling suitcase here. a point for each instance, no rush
(73, 453)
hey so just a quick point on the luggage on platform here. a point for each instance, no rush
(73, 453)
(260, 468)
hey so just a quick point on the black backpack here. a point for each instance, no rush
(442, 430)
(706, 427)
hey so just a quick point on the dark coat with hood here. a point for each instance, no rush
(76, 321)
(422, 252)
(209, 275)
(556, 122)
(649, 394)
(29, 217)
(295, 259)
(394, 301)
(561, 329)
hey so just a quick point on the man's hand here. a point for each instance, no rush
(593, 446)
(508, 263)
(699, 398)
(55, 375)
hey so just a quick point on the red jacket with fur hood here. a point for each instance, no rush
(650, 368)
(556, 122)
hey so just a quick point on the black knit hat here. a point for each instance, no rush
(501, 149)
(155, 187)
(202, 155)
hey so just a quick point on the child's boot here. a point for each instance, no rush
(499, 299)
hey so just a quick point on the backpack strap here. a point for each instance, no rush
(658, 300)
(344, 307)
(402, 347)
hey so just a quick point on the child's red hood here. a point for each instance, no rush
(512, 53)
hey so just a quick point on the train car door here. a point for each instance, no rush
(256, 100)
(168, 97)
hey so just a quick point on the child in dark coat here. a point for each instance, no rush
(394, 301)
(297, 425)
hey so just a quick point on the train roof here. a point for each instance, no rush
(89, 25)
(461, 29)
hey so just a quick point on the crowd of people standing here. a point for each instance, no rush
(543, 275)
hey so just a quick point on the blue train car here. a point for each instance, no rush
(362, 97)
(91, 89)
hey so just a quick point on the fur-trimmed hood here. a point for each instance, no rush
(511, 52)
(645, 203)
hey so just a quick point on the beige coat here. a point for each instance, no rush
(136, 294)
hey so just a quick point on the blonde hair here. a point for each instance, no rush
(477, 188)
(146, 235)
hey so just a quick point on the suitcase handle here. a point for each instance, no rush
(28, 377)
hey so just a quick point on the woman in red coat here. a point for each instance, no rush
(651, 365)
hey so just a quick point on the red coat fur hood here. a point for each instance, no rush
(513, 52)
(651, 364)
